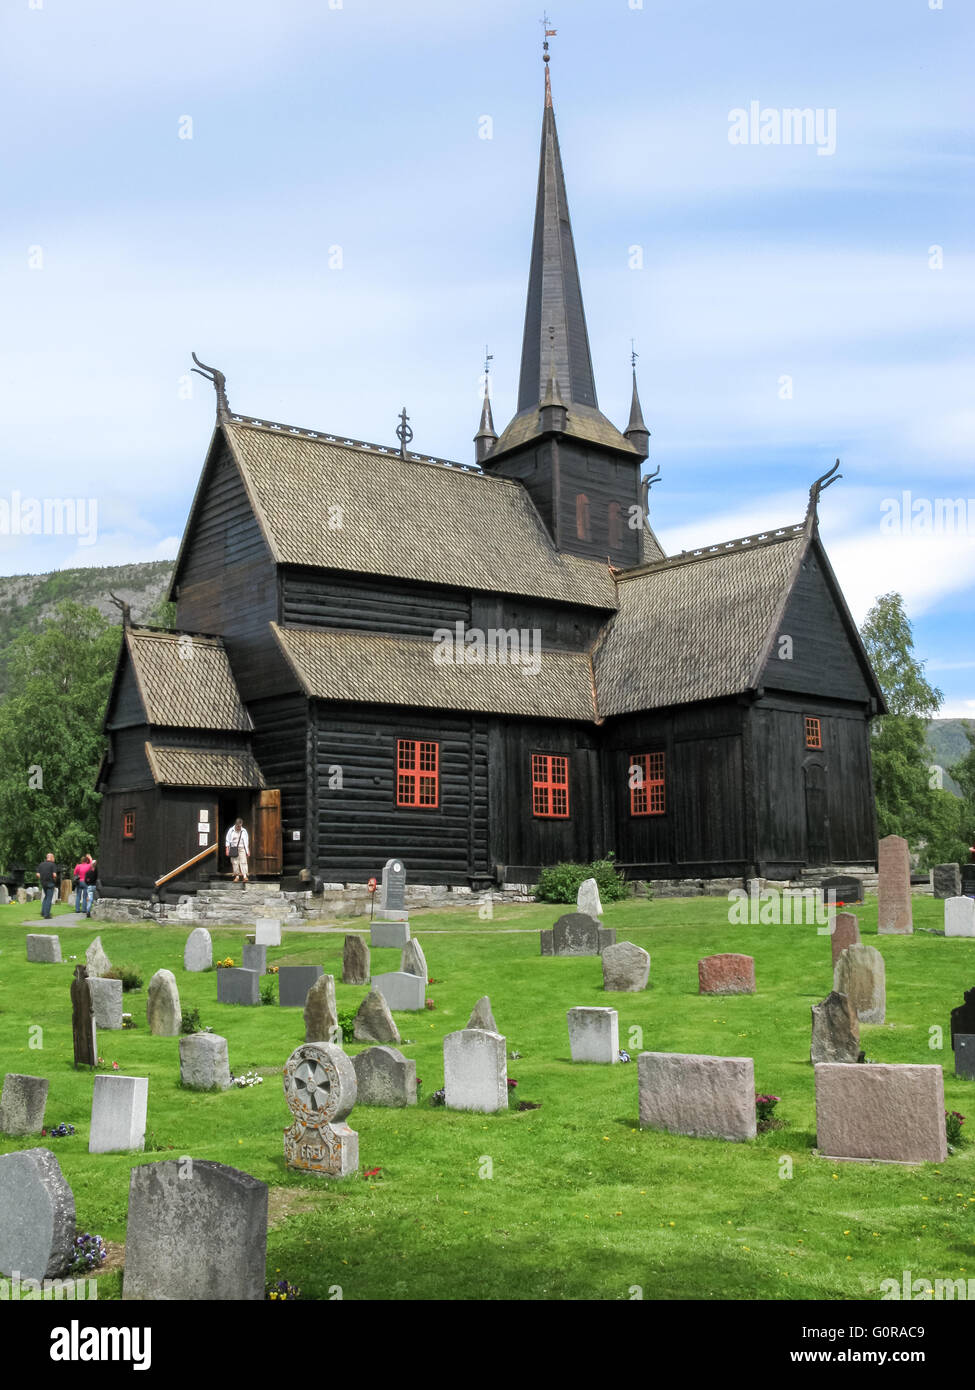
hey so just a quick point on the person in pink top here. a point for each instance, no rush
(80, 887)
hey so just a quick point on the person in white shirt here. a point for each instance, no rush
(238, 847)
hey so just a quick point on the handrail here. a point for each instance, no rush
(188, 865)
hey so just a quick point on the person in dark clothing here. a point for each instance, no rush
(48, 877)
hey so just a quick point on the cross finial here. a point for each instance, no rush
(548, 34)
(403, 432)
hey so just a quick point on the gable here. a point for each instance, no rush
(222, 528)
(125, 706)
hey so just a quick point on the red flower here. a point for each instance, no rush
(512, 1082)
(371, 1172)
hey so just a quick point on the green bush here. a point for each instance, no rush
(561, 882)
(268, 995)
(347, 1024)
(128, 974)
(191, 1021)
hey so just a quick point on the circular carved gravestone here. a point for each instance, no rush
(320, 1088)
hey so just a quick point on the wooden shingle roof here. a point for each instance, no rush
(185, 680)
(404, 671)
(202, 767)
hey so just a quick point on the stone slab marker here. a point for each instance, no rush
(946, 879)
(964, 1057)
(704, 1097)
(482, 1016)
(842, 888)
(37, 1215)
(84, 1033)
(96, 960)
(394, 885)
(355, 961)
(861, 975)
(575, 934)
(4, 895)
(198, 951)
(196, 1235)
(118, 1114)
(626, 967)
(321, 1012)
(835, 1030)
(43, 950)
(587, 898)
(547, 943)
(385, 1077)
(959, 916)
(726, 974)
(373, 1021)
(203, 1062)
(254, 957)
(238, 986)
(294, 982)
(594, 1034)
(846, 932)
(321, 1089)
(894, 888)
(106, 1001)
(401, 990)
(267, 931)
(414, 962)
(386, 935)
(475, 1069)
(163, 1012)
(22, 1105)
(891, 1112)
(963, 1018)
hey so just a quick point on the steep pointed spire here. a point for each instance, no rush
(486, 437)
(554, 291)
(636, 431)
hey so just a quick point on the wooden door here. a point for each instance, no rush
(817, 814)
(266, 857)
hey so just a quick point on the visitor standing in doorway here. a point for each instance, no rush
(238, 847)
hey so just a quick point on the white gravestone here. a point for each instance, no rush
(594, 1034)
(959, 916)
(118, 1114)
(475, 1071)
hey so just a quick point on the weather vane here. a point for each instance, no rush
(403, 433)
(488, 359)
(633, 352)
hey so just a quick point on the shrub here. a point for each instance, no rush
(560, 883)
(267, 993)
(953, 1124)
(765, 1108)
(347, 1024)
(128, 974)
(191, 1021)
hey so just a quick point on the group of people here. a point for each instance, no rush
(84, 880)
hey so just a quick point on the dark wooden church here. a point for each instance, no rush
(484, 668)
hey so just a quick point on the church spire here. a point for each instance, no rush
(487, 436)
(636, 431)
(554, 291)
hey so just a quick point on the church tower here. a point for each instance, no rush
(583, 474)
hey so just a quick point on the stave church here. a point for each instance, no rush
(484, 667)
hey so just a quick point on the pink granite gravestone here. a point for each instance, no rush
(894, 890)
(846, 932)
(726, 974)
(885, 1111)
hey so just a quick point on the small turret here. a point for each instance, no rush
(636, 431)
(486, 437)
(553, 411)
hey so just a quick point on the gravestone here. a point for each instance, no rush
(198, 951)
(373, 1021)
(413, 961)
(203, 1062)
(726, 974)
(238, 986)
(482, 1016)
(401, 990)
(475, 1071)
(106, 1001)
(163, 1012)
(83, 1030)
(64, 891)
(545, 937)
(704, 1097)
(594, 1034)
(196, 1231)
(968, 879)
(321, 1012)
(835, 1030)
(320, 1088)
(894, 887)
(254, 957)
(842, 888)
(37, 1216)
(963, 1018)
(267, 931)
(846, 932)
(22, 1104)
(394, 886)
(118, 1114)
(21, 895)
(4, 895)
(860, 974)
(946, 880)
(587, 899)
(576, 934)
(888, 1111)
(98, 963)
(964, 1057)
(43, 950)
(385, 1077)
(959, 916)
(626, 967)
(294, 982)
(386, 935)
(355, 961)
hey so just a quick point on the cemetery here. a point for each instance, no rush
(514, 1123)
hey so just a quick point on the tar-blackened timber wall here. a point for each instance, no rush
(603, 478)
(353, 603)
(282, 745)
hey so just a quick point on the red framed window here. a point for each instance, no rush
(417, 773)
(583, 526)
(648, 795)
(814, 733)
(128, 825)
(615, 526)
(550, 786)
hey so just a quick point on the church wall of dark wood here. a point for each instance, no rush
(603, 479)
(128, 766)
(531, 466)
(823, 660)
(317, 598)
(562, 627)
(281, 745)
(523, 840)
(165, 836)
(127, 707)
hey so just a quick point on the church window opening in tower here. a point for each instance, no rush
(814, 733)
(583, 528)
(647, 784)
(128, 825)
(615, 525)
(417, 773)
(550, 786)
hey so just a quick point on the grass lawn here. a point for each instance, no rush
(581, 1203)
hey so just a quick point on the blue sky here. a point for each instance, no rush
(359, 126)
